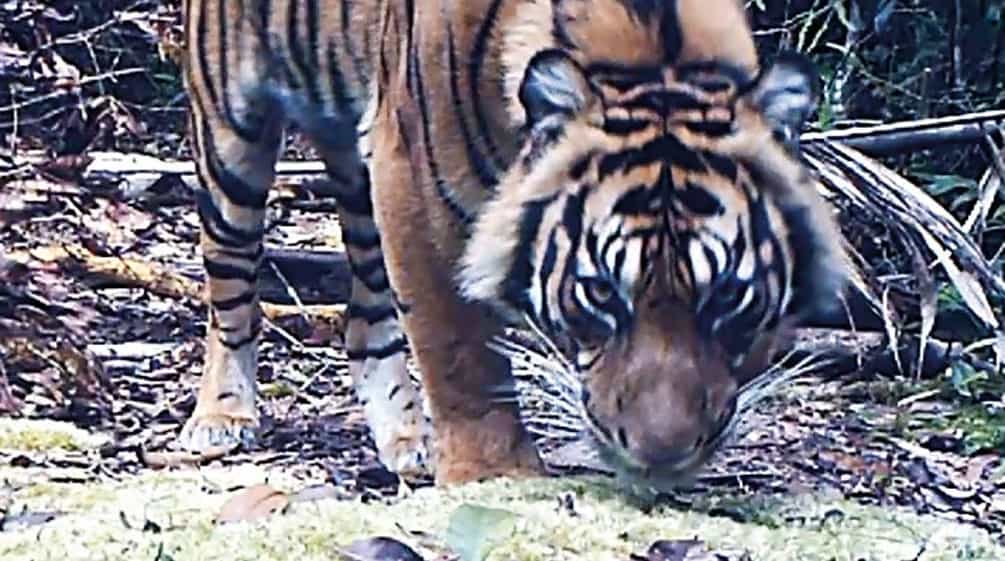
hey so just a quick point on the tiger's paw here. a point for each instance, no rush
(205, 432)
(408, 450)
(495, 445)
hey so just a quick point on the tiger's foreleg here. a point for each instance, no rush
(478, 429)
(235, 171)
(374, 341)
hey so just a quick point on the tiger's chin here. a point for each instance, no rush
(635, 477)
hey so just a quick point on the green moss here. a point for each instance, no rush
(604, 525)
(43, 435)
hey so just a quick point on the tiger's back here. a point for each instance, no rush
(473, 148)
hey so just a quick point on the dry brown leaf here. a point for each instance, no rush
(966, 283)
(928, 299)
(977, 465)
(253, 503)
(159, 460)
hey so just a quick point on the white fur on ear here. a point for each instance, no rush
(787, 95)
(553, 83)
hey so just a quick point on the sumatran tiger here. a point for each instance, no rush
(617, 173)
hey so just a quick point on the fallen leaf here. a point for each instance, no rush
(379, 549)
(977, 465)
(687, 550)
(252, 503)
(317, 493)
(166, 459)
(474, 530)
(26, 519)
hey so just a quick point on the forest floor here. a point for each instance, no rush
(856, 466)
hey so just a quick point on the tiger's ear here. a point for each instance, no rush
(787, 95)
(554, 84)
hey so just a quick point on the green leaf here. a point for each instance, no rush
(940, 184)
(475, 530)
(963, 375)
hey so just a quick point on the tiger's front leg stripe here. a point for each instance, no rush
(395, 346)
(371, 314)
(226, 271)
(216, 227)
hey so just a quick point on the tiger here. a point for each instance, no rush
(618, 175)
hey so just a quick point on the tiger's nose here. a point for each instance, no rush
(667, 456)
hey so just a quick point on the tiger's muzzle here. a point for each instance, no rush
(661, 400)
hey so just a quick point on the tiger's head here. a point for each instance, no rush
(657, 223)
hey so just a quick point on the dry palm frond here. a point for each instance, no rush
(877, 194)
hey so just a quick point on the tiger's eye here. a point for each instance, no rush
(598, 290)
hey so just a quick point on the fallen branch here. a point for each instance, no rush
(137, 172)
(906, 136)
(123, 272)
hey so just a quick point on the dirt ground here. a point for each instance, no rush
(124, 362)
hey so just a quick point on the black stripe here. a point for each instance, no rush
(203, 51)
(248, 134)
(624, 126)
(572, 217)
(241, 299)
(217, 228)
(610, 240)
(546, 270)
(698, 200)
(367, 267)
(662, 102)
(445, 193)
(394, 391)
(592, 244)
(486, 176)
(343, 102)
(253, 255)
(635, 75)
(224, 67)
(518, 279)
(636, 201)
(665, 148)
(295, 48)
(226, 271)
(357, 201)
(361, 240)
(376, 283)
(313, 49)
(478, 53)
(264, 15)
(370, 314)
(722, 165)
(579, 168)
(643, 232)
(710, 128)
(727, 71)
(347, 43)
(619, 264)
(237, 191)
(235, 345)
(398, 345)
(411, 47)
(572, 222)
